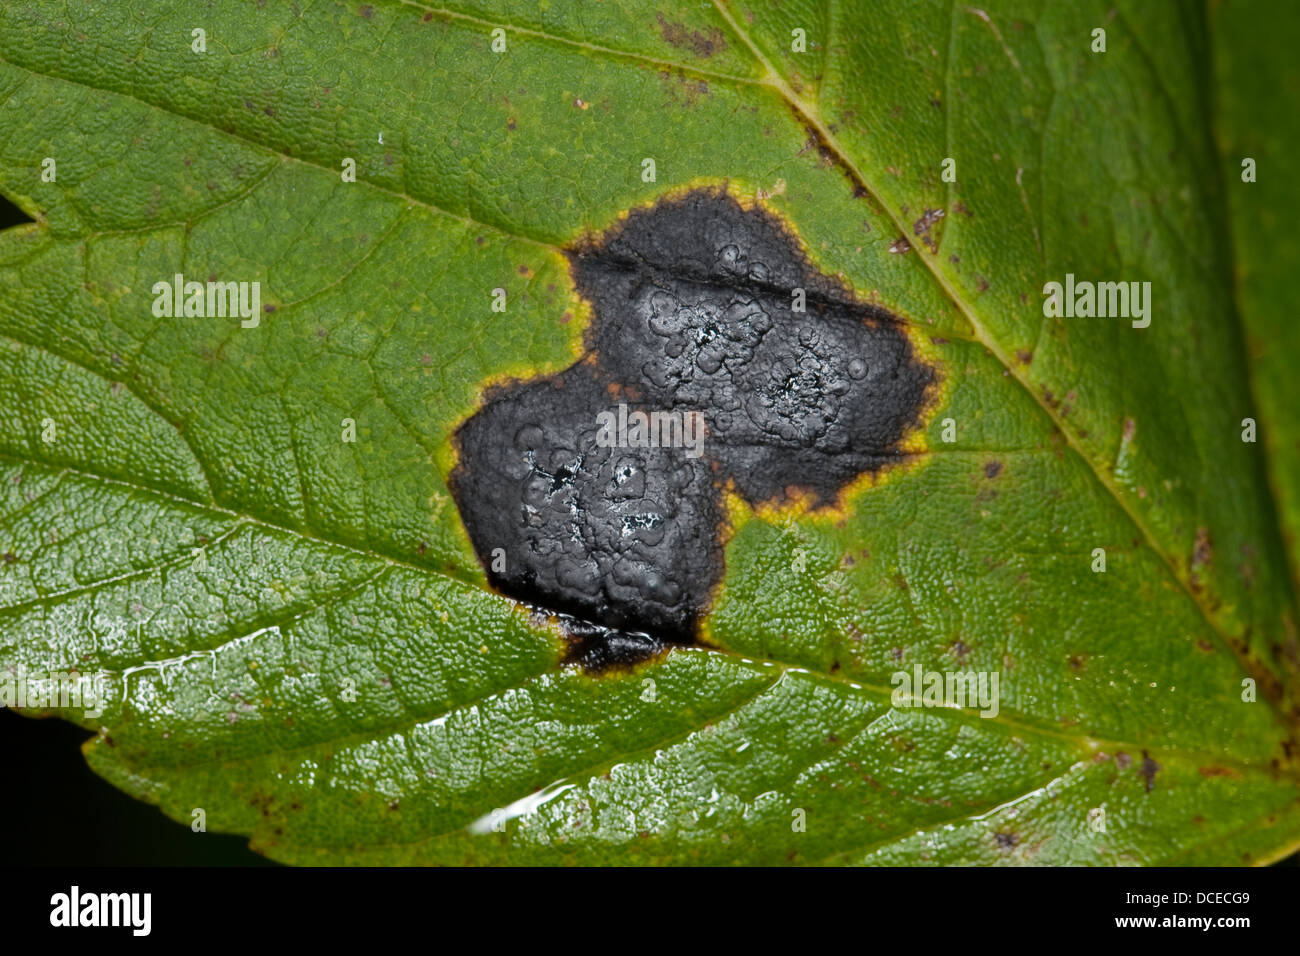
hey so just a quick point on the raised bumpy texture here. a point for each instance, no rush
(695, 310)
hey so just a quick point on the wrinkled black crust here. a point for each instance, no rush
(625, 537)
(595, 648)
(693, 312)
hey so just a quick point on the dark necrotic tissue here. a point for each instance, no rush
(695, 311)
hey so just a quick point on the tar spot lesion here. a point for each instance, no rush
(624, 537)
(699, 306)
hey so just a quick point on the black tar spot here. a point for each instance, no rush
(595, 648)
(696, 317)
(624, 537)
(694, 307)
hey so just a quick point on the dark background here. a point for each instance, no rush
(58, 813)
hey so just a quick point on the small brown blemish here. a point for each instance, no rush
(923, 226)
(690, 89)
(1219, 772)
(1006, 841)
(1203, 550)
(703, 45)
(1148, 770)
(992, 469)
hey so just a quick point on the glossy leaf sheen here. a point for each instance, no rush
(330, 566)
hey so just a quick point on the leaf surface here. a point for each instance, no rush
(298, 636)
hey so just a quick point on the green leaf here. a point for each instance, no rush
(1253, 91)
(296, 634)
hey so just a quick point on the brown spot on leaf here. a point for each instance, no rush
(1219, 772)
(923, 226)
(1203, 550)
(703, 44)
(1148, 770)
(691, 89)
